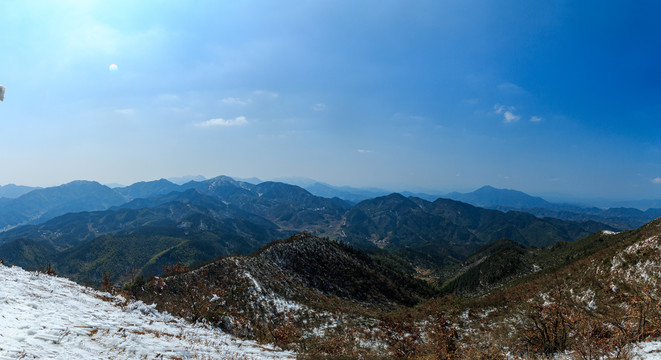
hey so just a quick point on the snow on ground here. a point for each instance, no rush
(45, 317)
(640, 351)
(637, 269)
(647, 351)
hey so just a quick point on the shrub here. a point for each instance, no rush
(106, 284)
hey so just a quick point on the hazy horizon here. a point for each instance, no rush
(559, 198)
(540, 97)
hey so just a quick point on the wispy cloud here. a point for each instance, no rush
(319, 107)
(535, 119)
(507, 112)
(657, 180)
(238, 121)
(270, 94)
(235, 101)
(511, 88)
(364, 151)
(125, 111)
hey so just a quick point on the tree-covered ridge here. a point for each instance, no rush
(239, 217)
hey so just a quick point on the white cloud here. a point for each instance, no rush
(235, 101)
(364, 151)
(657, 180)
(507, 112)
(125, 111)
(238, 121)
(535, 118)
(510, 117)
(319, 107)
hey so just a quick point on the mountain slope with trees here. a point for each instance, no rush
(239, 217)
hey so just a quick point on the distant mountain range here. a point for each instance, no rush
(43, 204)
(507, 200)
(36, 205)
(432, 234)
(12, 191)
(162, 222)
(184, 179)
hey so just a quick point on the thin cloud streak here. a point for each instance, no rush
(238, 121)
(235, 101)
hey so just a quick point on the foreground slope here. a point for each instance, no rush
(327, 300)
(505, 263)
(315, 281)
(48, 317)
(303, 268)
(599, 305)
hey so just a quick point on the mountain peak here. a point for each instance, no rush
(491, 197)
(222, 178)
(82, 183)
(13, 191)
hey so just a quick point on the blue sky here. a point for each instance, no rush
(540, 96)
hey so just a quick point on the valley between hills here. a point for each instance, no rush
(385, 276)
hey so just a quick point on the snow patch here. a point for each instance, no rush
(649, 243)
(254, 282)
(44, 316)
(632, 267)
(647, 350)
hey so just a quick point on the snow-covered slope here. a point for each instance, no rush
(647, 351)
(45, 317)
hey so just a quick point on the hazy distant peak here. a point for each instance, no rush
(489, 196)
(224, 178)
(297, 180)
(81, 184)
(489, 188)
(252, 180)
(387, 202)
(13, 191)
(180, 180)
